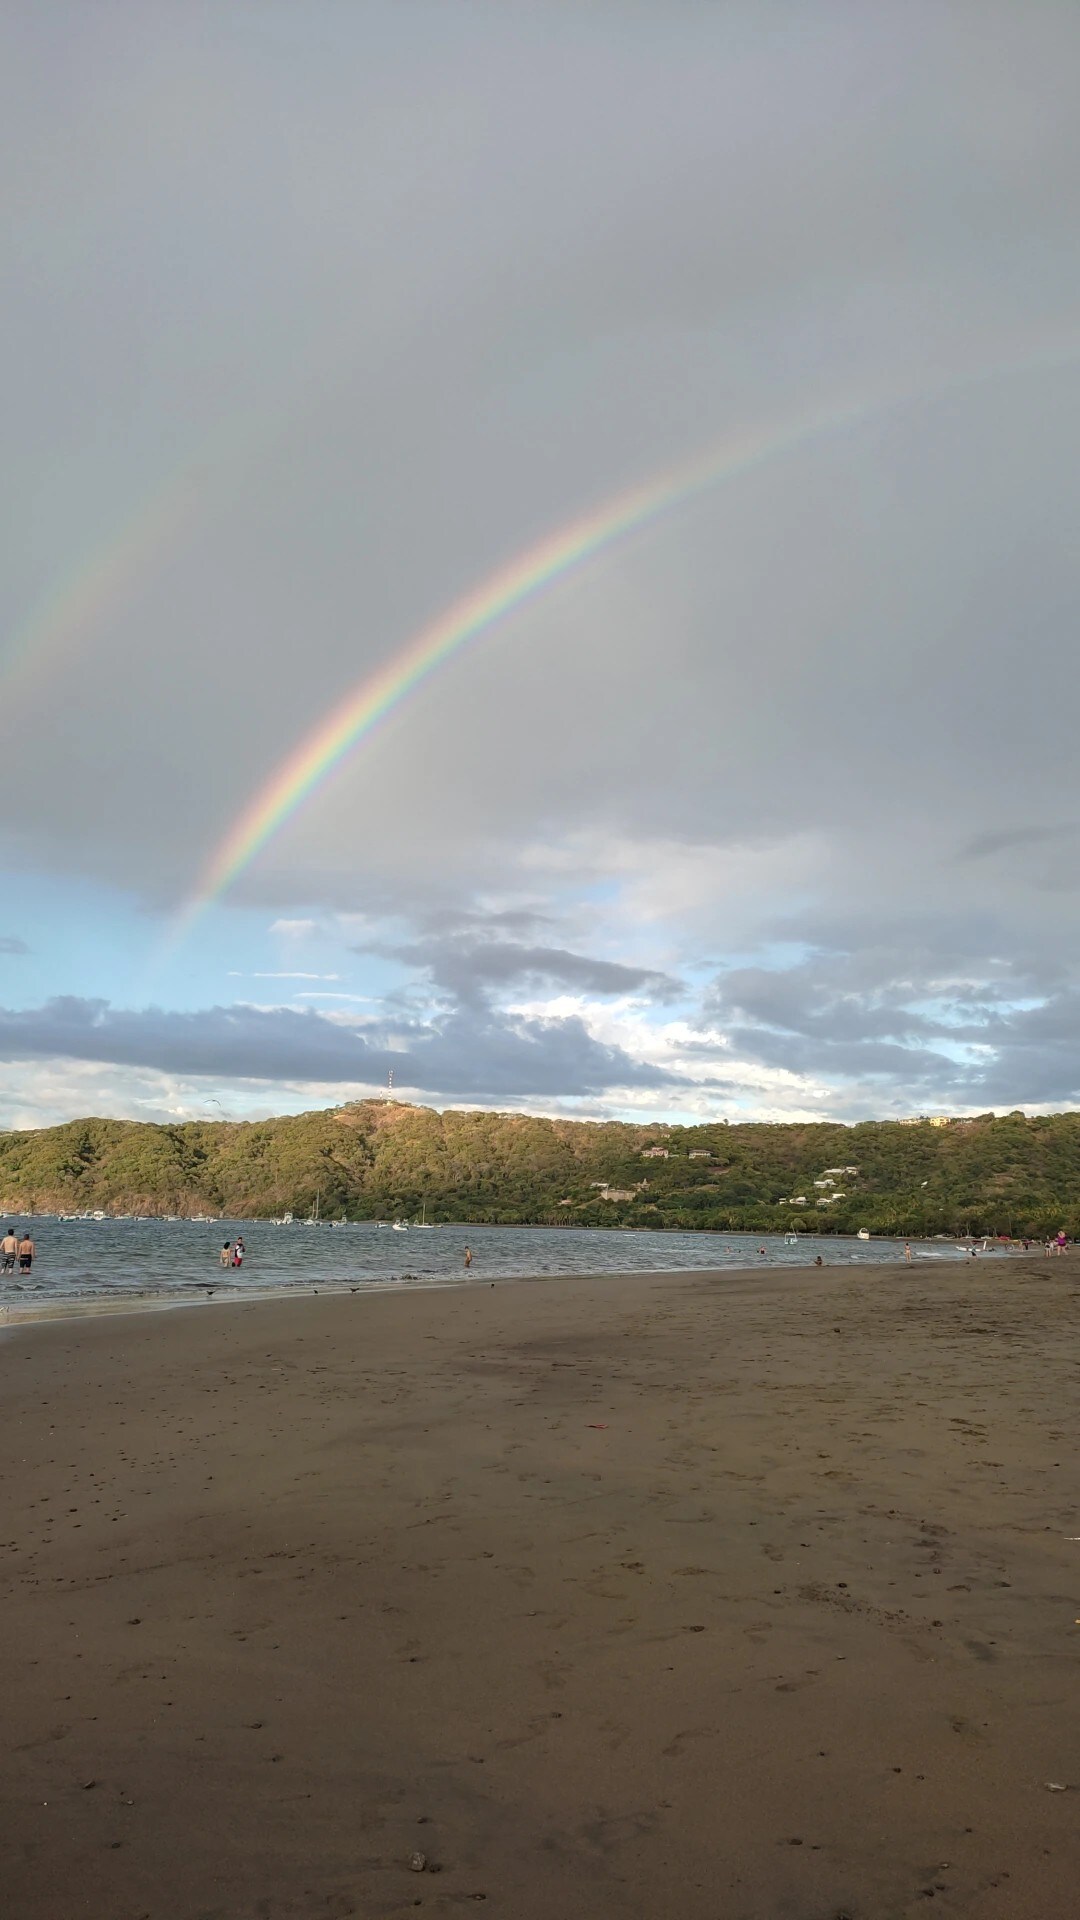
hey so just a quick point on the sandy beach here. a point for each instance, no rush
(747, 1597)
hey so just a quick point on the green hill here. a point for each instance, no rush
(376, 1159)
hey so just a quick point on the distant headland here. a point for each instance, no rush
(379, 1159)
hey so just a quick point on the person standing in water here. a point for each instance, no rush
(225, 1257)
(9, 1247)
(907, 1250)
(238, 1254)
(26, 1252)
(468, 1257)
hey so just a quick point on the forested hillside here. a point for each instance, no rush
(375, 1160)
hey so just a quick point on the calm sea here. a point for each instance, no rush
(110, 1259)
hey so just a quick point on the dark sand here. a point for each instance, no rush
(713, 1597)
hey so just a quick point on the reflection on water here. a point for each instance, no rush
(110, 1258)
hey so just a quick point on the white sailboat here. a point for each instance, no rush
(423, 1225)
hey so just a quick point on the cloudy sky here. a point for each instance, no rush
(315, 316)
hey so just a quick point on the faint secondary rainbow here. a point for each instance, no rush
(76, 605)
(357, 717)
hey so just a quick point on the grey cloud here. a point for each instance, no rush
(1011, 947)
(462, 1056)
(501, 271)
(509, 262)
(466, 967)
(11, 943)
(458, 920)
(849, 1014)
(798, 1000)
(1033, 1055)
(818, 1055)
(1008, 839)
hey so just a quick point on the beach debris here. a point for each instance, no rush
(87, 1784)
(418, 1862)
(1057, 1786)
(598, 1426)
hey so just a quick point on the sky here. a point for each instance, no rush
(319, 318)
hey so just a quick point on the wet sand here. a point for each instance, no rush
(737, 1597)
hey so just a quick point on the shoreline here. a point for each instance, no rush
(203, 1293)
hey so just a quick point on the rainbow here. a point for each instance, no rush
(370, 703)
(77, 604)
(112, 572)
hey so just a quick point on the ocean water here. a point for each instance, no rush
(112, 1259)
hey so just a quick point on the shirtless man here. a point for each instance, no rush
(9, 1247)
(26, 1253)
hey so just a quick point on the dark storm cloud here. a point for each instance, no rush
(508, 262)
(1010, 948)
(852, 1060)
(10, 943)
(1008, 839)
(973, 1018)
(799, 1000)
(468, 968)
(461, 1056)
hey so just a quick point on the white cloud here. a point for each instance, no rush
(234, 974)
(360, 998)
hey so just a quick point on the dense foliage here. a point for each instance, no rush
(377, 1159)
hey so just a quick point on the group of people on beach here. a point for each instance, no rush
(18, 1247)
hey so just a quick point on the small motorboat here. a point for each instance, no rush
(863, 1233)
